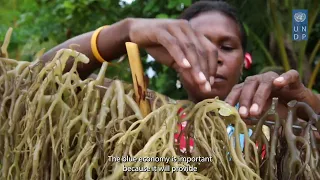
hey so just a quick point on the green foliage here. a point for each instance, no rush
(270, 32)
(44, 23)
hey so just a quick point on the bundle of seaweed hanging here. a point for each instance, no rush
(53, 125)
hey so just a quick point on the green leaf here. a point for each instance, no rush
(174, 16)
(68, 5)
(260, 44)
(162, 15)
(150, 6)
(315, 91)
(186, 2)
(172, 4)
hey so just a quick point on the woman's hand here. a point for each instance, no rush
(192, 54)
(256, 92)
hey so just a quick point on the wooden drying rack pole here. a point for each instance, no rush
(140, 87)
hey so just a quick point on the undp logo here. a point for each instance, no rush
(300, 24)
(300, 17)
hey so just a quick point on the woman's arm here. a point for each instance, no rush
(260, 89)
(175, 38)
(110, 43)
(313, 100)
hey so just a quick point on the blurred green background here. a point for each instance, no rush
(45, 23)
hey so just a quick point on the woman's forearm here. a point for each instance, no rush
(314, 101)
(110, 43)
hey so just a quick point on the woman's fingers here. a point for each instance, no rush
(253, 94)
(194, 51)
(257, 91)
(191, 48)
(234, 95)
(185, 76)
(172, 45)
(205, 87)
(211, 57)
(262, 93)
(195, 47)
(182, 50)
(260, 98)
(290, 78)
(248, 90)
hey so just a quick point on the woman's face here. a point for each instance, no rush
(224, 33)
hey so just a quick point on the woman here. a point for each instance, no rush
(206, 47)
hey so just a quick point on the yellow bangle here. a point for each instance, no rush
(94, 47)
